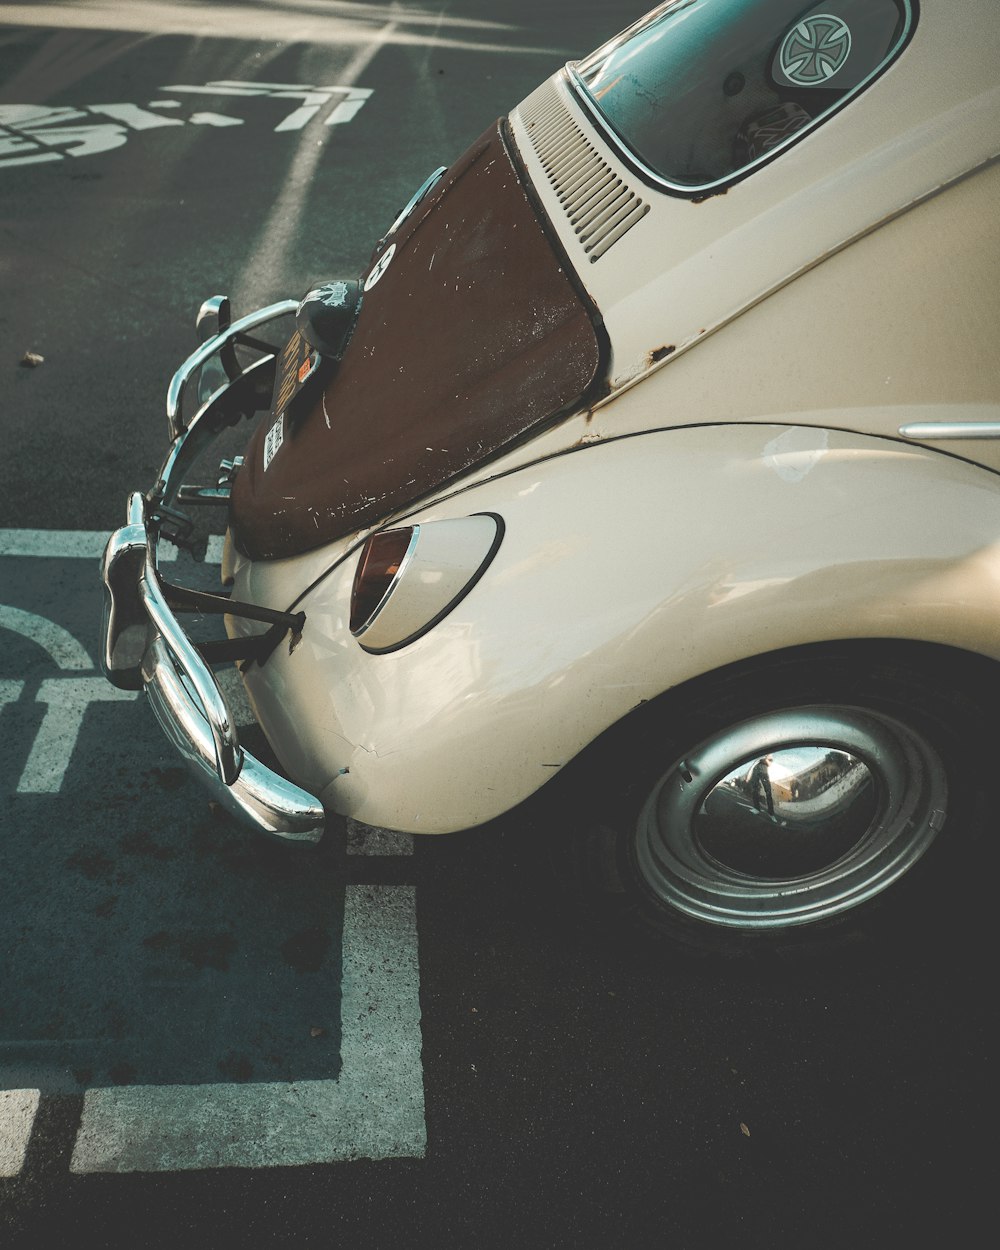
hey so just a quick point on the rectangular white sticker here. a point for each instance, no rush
(273, 440)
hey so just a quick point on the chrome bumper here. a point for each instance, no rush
(143, 646)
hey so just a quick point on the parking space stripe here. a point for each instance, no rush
(67, 700)
(10, 691)
(374, 1111)
(18, 1108)
(66, 544)
(64, 649)
(81, 544)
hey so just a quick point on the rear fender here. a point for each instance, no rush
(626, 568)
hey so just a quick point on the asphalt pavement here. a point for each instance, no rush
(207, 1038)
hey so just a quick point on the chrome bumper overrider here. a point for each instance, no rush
(143, 644)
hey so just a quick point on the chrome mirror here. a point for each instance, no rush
(790, 812)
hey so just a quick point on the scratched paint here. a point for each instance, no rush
(796, 452)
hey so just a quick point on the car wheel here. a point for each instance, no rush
(786, 805)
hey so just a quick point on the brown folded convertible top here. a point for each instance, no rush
(474, 334)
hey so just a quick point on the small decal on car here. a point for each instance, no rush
(815, 49)
(381, 265)
(330, 294)
(273, 440)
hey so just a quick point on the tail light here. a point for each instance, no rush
(407, 579)
(382, 558)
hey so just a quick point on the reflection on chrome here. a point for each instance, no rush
(788, 812)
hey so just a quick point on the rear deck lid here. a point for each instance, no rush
(472, 332)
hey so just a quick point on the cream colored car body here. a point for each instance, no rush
(745, 487)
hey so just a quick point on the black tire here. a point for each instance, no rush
(657, 825)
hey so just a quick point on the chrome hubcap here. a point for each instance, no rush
(790, 817)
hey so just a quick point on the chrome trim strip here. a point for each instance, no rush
(428, 184)
(929, 431)
(122, 615)
(188, 444)
(404, 564)
(228, 755)
(582, 94)
(175, 391)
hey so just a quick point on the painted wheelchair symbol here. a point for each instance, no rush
(374, 1109)
(66, 698)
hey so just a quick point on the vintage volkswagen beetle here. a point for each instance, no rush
(647, 478)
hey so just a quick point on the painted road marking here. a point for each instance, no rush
(313, 99)
(35, 133)
(65, 544)
(17, 1118)
(67, 700)
(133, 116)
(83, 544)
(374, 1109)
(64, 649)
(215, 119)
(10, 691)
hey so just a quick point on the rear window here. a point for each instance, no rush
(701, 91)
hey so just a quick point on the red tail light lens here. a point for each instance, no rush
(379, 565)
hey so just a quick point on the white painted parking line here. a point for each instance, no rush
(10, 691)
(30, 133)
(312, 98)
(67, 652)
(68, 699)
(374, 1111)
(214, 119)
(134, 116)
(347, 109)
(68, 544)
(82, 544)
(17, 1118)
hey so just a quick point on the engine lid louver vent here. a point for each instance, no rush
(601, 207)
